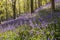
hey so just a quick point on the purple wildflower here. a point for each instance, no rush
(36, 24)
(31, 24)
(49, 16)
(48, 38)
(43, 23)
(34, 19)
(55, 21)
(40, 20)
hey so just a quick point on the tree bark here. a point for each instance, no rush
(27, 5)
(0, 20)
(53, 5)
(35, 5)
(19, 6)
(39, 3)
(32, 6)
(14, 8)
(6, 11)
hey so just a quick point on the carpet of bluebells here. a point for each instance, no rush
(44, 26)
(27, 32)
(32, 32)
(37, 28)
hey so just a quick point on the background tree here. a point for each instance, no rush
(32, 6)
(38, 3)
(19, 6)
(14, 8)
(53, 4)
(6, 11)
(35, 4)
(27, 5)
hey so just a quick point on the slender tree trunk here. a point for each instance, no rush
(0, 20)
(19, 6)
(27, 5)
(53, 5)
(24, 6)
(32, 6)
(14, 8)
(38, 3)
(35, 5)
(6, 11)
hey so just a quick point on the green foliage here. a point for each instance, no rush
(25, 32)
(21, 7)
(9, 35)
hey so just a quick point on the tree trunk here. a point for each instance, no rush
(6, 11)
(19, 6)
(35, 5)
(38, 3)
(32, 6)
(27, 5)
(0, 20)
(14, 8)
(53, 5)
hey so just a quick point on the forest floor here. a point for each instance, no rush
(44, 14)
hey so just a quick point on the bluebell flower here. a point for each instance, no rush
(19, 23)
(4, 26)
(36, 24)
(27, 21)
(44, 24)
(49, 16)
(11, 22)
(34, 19)
(40, 20)
(31, 24)
(55, 21)
(48, 38)
(0, 26)
(10, 27)
(58, 14)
